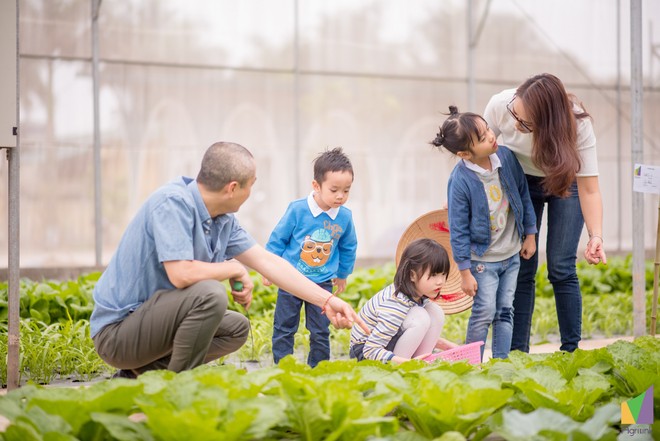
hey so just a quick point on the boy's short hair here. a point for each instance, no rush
(331, 161)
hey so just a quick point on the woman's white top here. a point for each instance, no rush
(503, 124)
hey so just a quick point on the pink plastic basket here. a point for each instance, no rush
(470, 352)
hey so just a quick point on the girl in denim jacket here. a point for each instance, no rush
(491, 222)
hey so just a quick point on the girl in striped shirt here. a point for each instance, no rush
(403, 320)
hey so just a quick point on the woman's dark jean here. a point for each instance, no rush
(565, 224)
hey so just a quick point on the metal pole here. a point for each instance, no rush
(656, 275)
(98, 229)
(656, 265)
(13, 300)
(296, 96)
(620, 209)
(470, 57)
(637, 156)
(473, 40)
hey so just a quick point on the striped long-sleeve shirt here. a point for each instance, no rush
(384, 314)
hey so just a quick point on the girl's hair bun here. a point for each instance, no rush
(439, 139)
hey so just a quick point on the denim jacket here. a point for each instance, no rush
(469, 215)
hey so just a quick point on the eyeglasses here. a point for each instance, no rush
(309, 246)
(524, 124)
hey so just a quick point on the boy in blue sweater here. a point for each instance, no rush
(491, 222)
(317, 236)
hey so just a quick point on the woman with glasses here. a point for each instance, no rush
(551, 134)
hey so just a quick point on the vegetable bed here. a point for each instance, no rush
(548, 397)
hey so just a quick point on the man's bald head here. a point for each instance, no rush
(225, 162)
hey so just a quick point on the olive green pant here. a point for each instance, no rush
(175, 329)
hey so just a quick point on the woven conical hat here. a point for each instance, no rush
(434, 225)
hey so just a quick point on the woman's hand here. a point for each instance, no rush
(595, 253)
(592, 210)
(528, 247)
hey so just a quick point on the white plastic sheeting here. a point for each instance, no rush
(370, 76)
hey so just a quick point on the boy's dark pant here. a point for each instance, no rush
(285, 326)
(175, 329)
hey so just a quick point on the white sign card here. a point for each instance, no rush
(646, 179)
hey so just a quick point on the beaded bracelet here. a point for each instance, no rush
(595, 235)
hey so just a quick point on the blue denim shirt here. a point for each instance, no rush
(469, 215)
(173, 224)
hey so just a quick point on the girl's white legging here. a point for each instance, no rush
(421, 330)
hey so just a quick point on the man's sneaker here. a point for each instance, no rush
(125, 373)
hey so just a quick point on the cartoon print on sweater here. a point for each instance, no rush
(316, 250)
(499, 208)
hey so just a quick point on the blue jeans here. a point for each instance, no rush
(565, 224)
(493, 304)
(285, 326)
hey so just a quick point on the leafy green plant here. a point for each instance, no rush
(547, 424)
(51, 301)
(546, 397)
(56, 351)
(55, 341)
(365, 282)
(615, 277)
(203, 406)
(466, 403)
(330, 407)
(258, 346)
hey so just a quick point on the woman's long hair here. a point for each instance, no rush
(554, 138)
(420, 255)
